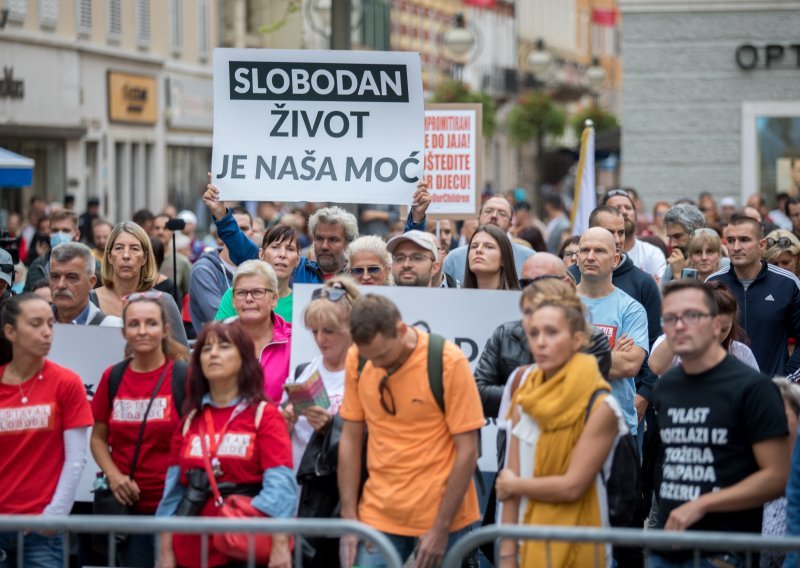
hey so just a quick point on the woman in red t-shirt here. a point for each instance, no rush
(247, 441)
(44, 415)
(117, 422)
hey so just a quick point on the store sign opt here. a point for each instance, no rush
(132, 98)
(771, 55)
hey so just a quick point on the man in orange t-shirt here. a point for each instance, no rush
(420, 459)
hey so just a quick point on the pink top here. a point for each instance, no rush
(274, 358)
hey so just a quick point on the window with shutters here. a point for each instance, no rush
(17, 10)
(143, 23)
(48, 14)
(114, 20)
(203, 31)
(176, 26)
(84, 19)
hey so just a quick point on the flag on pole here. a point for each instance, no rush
(585, 196)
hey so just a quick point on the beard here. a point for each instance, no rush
(328, 263)
(630, 227)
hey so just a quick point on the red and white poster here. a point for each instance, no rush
(453, 153)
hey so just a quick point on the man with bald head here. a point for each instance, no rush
(507, 348)
(622, 318)
(496, 211)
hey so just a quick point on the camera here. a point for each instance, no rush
(195, 495)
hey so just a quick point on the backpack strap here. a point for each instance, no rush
(300, 368)
(115, 379)
(188, 422)
(260, 412)
(180, 369)
(592, 401)
(97, 319)
(435, 363)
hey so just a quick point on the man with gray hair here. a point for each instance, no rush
(681, 221)
(71, 280)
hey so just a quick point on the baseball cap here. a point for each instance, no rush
(6, 267)
(727, 202)
(419, 238)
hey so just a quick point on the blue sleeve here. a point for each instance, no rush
(278, 497)
(634, 323)
(412, 226)
(173, 493)
(240, 248)
(793, 506)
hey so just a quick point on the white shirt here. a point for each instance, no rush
(738, 349)
(648, 257)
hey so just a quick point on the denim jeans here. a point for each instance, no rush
(39, 551)
(405, 546)
(707, 561)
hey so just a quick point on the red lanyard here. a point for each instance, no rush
(214, 440)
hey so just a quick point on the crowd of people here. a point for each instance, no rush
(649, 381)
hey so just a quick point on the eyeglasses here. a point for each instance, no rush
(383, 389)
(689, 318)
(498, 212)
(334, 294)
(523, 282)
(257, 293)
(148, 295)
(358, 271)
(615, 192)
(414, 258)
(783, 242)
(570, 252)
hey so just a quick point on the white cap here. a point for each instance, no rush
(188, 216)
(420, 238)
(727, 202)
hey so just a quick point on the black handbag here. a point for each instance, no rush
(105, 503)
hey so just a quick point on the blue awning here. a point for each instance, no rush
(15, 170)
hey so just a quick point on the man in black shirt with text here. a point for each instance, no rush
(723, 431)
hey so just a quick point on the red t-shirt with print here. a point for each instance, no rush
(32, 436)
(244, 454)
(124, 421)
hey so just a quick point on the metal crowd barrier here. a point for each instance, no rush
(195, 525)
(693, 541)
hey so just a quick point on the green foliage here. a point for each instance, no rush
(292, 7)
(535, 115)
(603, 120)
(450, 91)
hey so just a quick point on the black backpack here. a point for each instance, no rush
(624, 482)
(179, 371)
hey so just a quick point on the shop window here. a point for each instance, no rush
(374, 31)
(771, 149)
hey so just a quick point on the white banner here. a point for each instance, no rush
(304, 125)
(453, 158)
(88, 350)
(431, 309)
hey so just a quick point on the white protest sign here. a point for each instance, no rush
(87, 350)
(305, 125)
(432, 309)
(453, 137)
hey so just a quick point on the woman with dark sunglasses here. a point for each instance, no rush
(145, 390)
(369, 262)
(315, 431)
(783, 250)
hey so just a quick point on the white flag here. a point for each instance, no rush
(585, 198)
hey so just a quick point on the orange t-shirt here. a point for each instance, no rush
(410, 455)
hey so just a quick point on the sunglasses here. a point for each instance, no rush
(136, 296)
(615, 192)
(359, 271)
(523, 282)
(383, 389)
(334, 294)
(783, 242)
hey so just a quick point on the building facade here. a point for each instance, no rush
(711, 100)
(114, 101)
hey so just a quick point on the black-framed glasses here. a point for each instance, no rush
(690, 318)
(383, 389)
(523, 282)
(257, 293)
(358, 271)
(782, 242)
(334, 294)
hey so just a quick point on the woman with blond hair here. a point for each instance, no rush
(369, 262)
(564, 426)
(783, 250)
(129, 266)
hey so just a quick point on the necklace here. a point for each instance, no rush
(23, 398)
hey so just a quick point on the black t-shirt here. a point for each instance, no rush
(708, 423)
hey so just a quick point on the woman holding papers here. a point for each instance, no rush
(255, 295)
(315, 430)
(490, 261)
